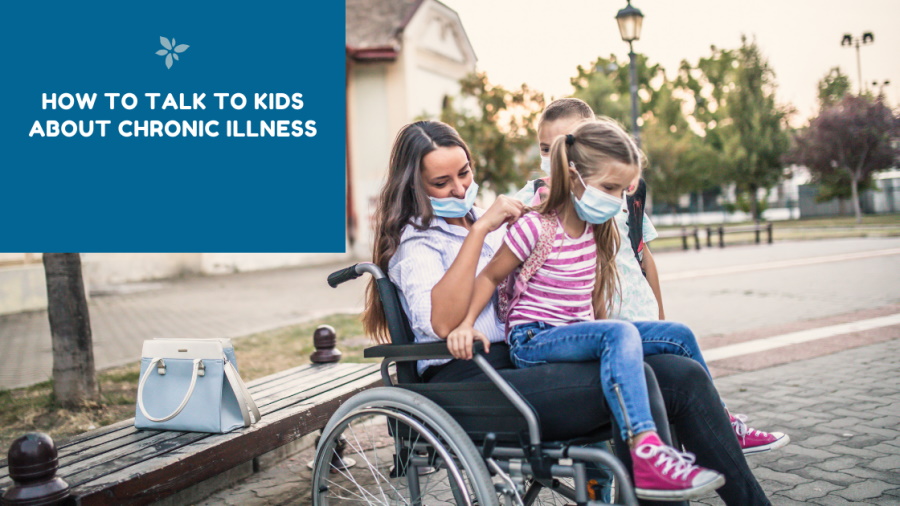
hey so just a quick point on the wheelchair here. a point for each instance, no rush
(472, 443)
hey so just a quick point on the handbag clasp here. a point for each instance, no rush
(201, 371)
(161, 368)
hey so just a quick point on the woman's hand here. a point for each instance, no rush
(460, 341)
(503, 210)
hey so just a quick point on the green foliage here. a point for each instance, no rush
(734, 105)
(833, 87)
(499, 129)
(679, 163)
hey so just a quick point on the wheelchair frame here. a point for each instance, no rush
(452, 418)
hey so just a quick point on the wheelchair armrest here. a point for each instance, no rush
(416, 351)
(406, 352)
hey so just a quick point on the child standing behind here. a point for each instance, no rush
(640, 297)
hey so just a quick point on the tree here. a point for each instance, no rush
(734, 92)
(678, 162)
(833, 87)
(499, 131)
(74, 382)
(848, 141)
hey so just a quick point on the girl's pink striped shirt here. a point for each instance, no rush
(559, 293)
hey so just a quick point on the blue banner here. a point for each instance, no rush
(173, 127)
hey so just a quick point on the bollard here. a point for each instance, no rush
(709, 233)
(757, 231)
(721, 237)
(684, 236)
(33, 463)
(324, 341)
(696, 239)
(769, 231)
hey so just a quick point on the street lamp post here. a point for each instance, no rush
(630, 20)
(848, 41)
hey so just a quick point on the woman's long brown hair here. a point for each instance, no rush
(403, 202)
(594, 145)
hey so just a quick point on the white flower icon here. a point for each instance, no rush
(171, 50)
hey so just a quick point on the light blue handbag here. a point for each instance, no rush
(192, 385)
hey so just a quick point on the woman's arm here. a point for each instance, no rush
(459, 341)
(649, 265)
(451, 296)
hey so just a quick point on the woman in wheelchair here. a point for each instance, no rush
(432, 242)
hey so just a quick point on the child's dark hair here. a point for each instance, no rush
(566, 108)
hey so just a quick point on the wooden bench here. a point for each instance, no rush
(684, 234)
(119, 464)
(756, 229)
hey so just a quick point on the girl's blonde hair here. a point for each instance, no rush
(592, 147)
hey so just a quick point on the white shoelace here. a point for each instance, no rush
(679, 463)
(739, 422)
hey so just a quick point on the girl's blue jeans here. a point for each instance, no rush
(620, 348)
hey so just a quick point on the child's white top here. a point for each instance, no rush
(560, 291)
(637, 301)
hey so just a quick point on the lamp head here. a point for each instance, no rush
(847, 40)
(630, 20)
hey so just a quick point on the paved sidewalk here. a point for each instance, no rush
(198, 307)
(842, 412)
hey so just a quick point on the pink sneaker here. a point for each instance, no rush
(756, 441)
(663, 473)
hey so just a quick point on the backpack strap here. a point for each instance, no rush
(514, 286)
(635, 204)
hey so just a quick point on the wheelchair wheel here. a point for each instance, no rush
(406, 450)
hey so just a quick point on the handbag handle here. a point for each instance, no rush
(198, 363)
(245, 400)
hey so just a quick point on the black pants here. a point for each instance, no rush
(570, 403)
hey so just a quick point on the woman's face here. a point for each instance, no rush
(446, 172)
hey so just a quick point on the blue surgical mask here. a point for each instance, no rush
(451, 207)
(595, 206)
(545, 164)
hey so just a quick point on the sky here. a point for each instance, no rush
(541, 42)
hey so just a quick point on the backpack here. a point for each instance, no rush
(510, 290)
(635, 203)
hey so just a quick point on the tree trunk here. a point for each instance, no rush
(74, 380)
(854, 192)
(754, 204)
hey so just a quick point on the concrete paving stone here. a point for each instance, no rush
(887, 435)
(856, 412)
(885, 422)
(857, 452)
(810, 490)
(788, 463)
(863, 441)
(875, 474)
(835, 477)
(834, 500)
(818, 440)
(780, 499)
(847, 422)
(865, 490)
(837, 464)
(814, 453)
(889, 463)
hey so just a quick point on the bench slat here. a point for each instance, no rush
(118, 455)
(186, 465)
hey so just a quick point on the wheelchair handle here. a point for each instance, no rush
(353, 272)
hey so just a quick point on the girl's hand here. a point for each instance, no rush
(503, 210)
(460, 340)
